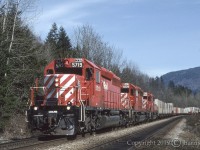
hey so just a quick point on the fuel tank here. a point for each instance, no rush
(108, 121)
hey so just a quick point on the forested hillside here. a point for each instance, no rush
(19, 53)
(189, 78)
(23, 56)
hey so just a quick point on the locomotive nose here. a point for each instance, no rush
(50, 84)
(60, 89)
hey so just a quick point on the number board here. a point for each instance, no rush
(77, 64)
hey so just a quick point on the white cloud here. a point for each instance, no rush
(66, 13)
(59, 10)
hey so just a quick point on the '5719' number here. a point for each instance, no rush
(77, 65)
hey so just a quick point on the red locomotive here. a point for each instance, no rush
(78, 96)
(150, 106)
(141, 103)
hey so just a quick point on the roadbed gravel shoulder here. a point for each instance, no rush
(97, 139)
(180, 137)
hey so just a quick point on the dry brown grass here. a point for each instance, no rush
(16, 128)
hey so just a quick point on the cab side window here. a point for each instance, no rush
(88, 74)
(97, 76)
(132, 92)
(49, 71)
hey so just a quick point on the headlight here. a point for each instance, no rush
(35, 108)
(56, 84)
(68, 107)
(56, 80)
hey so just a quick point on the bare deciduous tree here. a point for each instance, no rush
(91, 46)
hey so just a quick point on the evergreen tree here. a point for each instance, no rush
(64, 45)
(52, 41)
(58, 43)
(52, 37)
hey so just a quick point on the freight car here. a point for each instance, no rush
(178, 110)
(191, 110)
(167, 109)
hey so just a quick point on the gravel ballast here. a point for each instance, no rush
(98, 139)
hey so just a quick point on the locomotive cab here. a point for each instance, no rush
(128, 95)
(63, 97)
(148, 101)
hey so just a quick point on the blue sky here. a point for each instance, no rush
(160, 36)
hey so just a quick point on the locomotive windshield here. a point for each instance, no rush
(65, 70)
(60, 68)
(144, 97)
(125, 90)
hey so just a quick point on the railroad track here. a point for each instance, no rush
(18, 143)
(39, 142)
(130, 141)
(31, 143)
(119, 143)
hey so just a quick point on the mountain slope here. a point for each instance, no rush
(189, 78)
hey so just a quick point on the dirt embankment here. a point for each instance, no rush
(184, 136)
(16, 128)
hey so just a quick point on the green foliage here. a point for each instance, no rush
(18, 61)
(64, 45)
(52, 37)
(58, 43)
